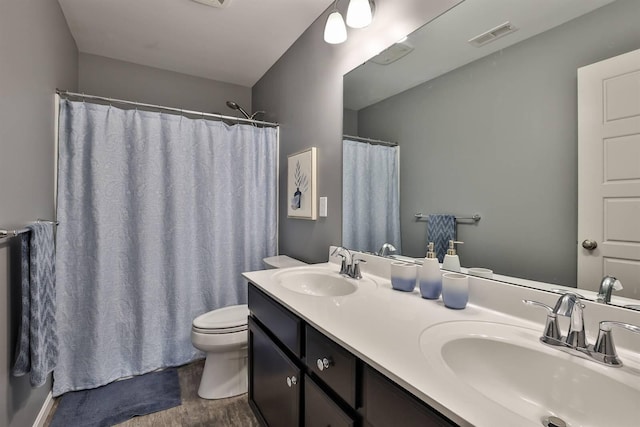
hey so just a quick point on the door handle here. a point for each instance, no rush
(589, 244)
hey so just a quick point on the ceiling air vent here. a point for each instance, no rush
(493, 34)
(392, 54)
(215, 3)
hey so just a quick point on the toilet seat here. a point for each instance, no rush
(223, 320)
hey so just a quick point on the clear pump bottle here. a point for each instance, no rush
(430, 276)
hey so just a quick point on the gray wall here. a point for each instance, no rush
(303, 92)
(499, 137)
(350, 122)
(37, 55)
(124, 80)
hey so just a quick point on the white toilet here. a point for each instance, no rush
(222, 334)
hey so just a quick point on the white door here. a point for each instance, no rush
(609, 173)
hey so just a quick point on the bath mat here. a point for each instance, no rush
(119, 401)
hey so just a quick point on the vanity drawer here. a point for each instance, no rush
(320, 410)
(385, 404)
(283, 324)
(339, 373)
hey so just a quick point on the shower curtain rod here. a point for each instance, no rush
(64, 93)
(371, 141)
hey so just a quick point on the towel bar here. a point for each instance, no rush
(4, 234)
(475, 217)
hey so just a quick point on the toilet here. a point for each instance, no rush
(281, 261)
(222, 335)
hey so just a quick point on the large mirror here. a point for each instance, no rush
(490, 128)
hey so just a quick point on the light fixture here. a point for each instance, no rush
(359, 13)
(335, 32)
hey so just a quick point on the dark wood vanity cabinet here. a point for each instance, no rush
(384, 404)
(299, 377)
(275, 380)
(322, 411)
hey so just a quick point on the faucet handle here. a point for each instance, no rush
(604, 349)
(355, 273)
(344, 268)
(551, 334)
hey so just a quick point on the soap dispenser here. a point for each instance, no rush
(430, 277)
(451, 260)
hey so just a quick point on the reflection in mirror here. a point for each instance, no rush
(370, 195)
(492, 128)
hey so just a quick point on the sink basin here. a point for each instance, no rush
(319, 282)
(506, 369)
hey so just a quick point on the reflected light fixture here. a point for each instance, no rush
(335, 32)
(359, 13)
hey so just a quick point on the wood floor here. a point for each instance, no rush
(194, 411)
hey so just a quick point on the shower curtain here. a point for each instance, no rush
(370, 196)
(159, 214)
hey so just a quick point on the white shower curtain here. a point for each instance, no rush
(370, 196)
(159, 214)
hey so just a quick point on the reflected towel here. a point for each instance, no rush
(37, 350)
(441, 229)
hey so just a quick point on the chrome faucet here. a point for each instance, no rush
(575, 342)
(386, 249)
(350, 266)
(568, 305)
(608, 285)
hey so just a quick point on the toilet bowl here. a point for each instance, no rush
(222, 335)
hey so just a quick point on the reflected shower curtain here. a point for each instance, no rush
(159, 214)
(370, 196)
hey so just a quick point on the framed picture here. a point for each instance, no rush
(301, 184)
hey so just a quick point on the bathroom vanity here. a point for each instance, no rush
(300, 377)
(329, 350)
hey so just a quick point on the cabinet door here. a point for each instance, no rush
(275, 383)
(385, 404)
(320, 410)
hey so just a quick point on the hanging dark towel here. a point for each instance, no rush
(37, 350)
(22, 364)
(441, 229)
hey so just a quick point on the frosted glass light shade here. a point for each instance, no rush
(359, 14)
(335, 31)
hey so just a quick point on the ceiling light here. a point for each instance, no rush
(335, 31)
(359, 13)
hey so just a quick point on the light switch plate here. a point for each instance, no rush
(323, 207)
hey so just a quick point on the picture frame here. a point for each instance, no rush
(302, 184)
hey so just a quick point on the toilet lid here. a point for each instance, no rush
(232, 317)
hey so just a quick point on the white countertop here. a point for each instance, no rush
(383, 327)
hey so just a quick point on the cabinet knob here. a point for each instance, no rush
(323, 363)
(292, 380)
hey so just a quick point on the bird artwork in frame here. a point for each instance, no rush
(301, 184)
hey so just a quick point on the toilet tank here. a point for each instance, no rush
(281, 261)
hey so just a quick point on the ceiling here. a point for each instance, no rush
(236, 44)
(442, 45)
